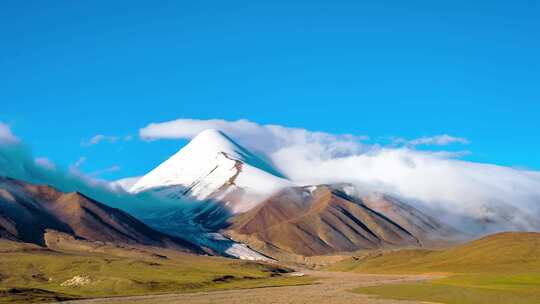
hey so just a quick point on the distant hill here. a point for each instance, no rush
(498, 253)
(502, 268)
(28, 212)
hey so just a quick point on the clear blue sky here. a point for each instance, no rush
(73, 69)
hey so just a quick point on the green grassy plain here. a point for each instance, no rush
(501, 268)
(33, 274)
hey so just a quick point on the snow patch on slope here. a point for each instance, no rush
(237, 250)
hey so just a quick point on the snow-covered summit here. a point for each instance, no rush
(213, 166)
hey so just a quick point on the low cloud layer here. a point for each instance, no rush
(463, 193)
(17, 161)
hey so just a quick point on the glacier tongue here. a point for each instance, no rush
(237, 250)
(180, 224)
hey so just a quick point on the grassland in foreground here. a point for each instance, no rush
(32, 274)
(501, 268)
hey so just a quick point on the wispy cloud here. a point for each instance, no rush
(6, 135)
(114, 168)
(99, 139)
(78, 163)
(75, 168)
(45, 163)
(438, 140)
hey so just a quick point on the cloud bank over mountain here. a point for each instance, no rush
(459, 191)
(17, 161)
(263, 138)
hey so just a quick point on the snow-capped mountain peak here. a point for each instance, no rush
(213, 166)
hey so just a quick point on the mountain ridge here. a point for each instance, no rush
(318, 220)
(28, 211)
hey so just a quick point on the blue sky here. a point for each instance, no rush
(70, 70)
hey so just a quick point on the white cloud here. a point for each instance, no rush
(114, 168)
(76, 165)
(6, 136)
(459, 191)
(126, 183)
(438, 140)
(98, 139)
(463, 193)
(75, 169)
(263, 138)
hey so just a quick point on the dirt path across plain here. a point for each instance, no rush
(331, 288)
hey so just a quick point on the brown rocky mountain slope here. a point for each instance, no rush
(317, 220)
(427, 229)
(28, 211)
